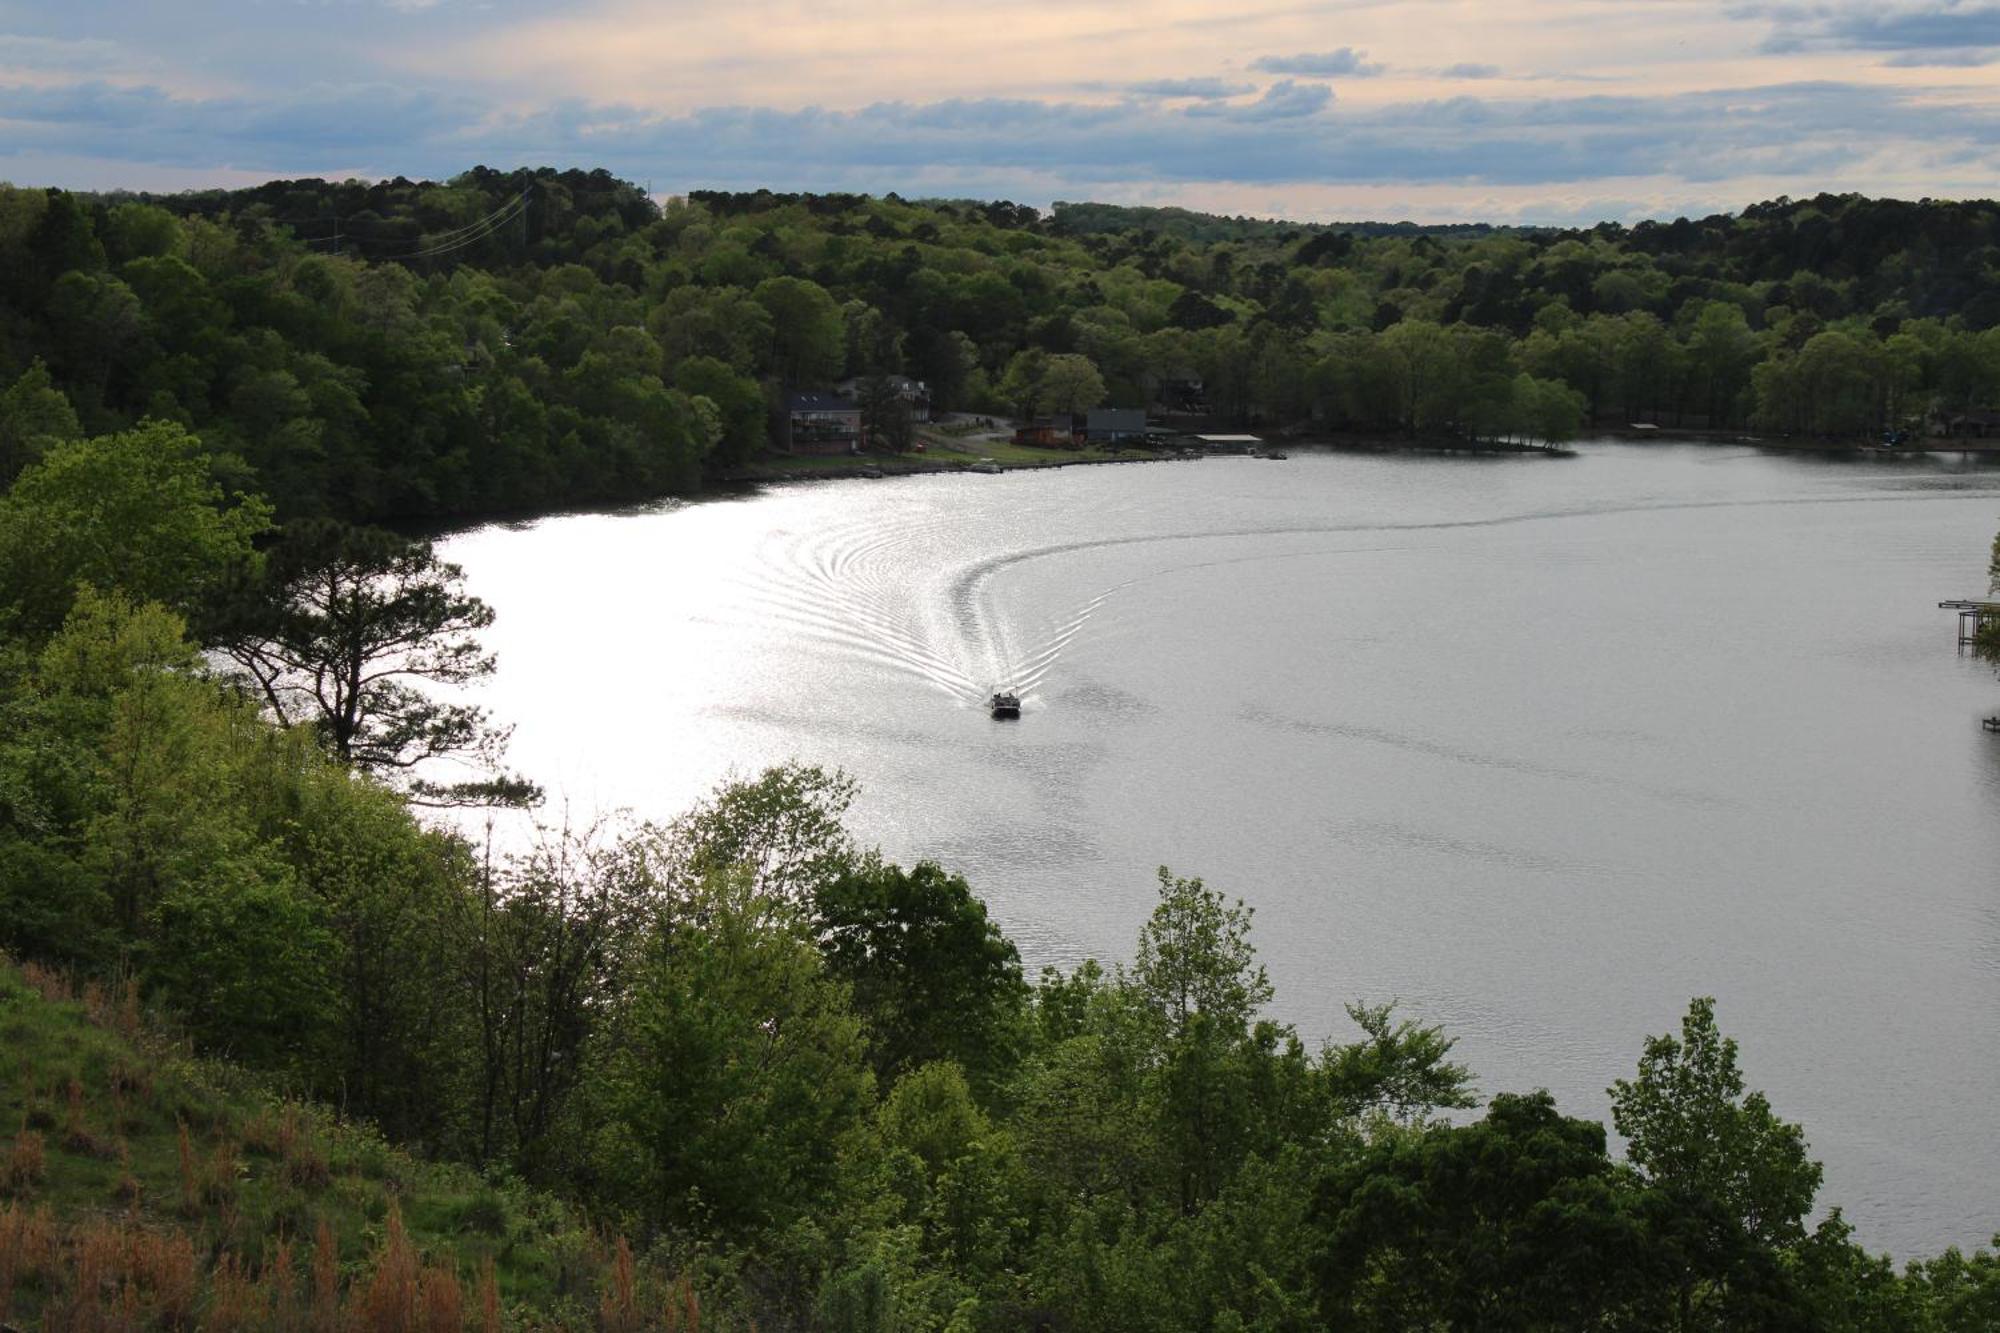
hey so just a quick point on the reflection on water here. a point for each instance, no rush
(1541, 747)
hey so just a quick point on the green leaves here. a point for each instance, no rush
(737, 1065)
(346, 625)
(1692, 1131)
(1399, 1070)
(1195, 960)
(933, 977)
(137, 512)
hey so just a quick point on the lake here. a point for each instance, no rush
(1540, 747)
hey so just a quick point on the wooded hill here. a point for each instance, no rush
(509, 340)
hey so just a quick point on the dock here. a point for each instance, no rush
(1972, 618)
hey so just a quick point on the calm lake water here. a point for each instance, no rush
(1540, 747)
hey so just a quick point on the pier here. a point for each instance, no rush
(1972, 617)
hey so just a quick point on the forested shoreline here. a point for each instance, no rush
(731, 1061)
(507, 341)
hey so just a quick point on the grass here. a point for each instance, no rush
(143, 1188)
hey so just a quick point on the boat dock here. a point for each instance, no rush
(1972, 617)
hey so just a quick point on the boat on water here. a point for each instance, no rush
(1006, 705)
(1276, 455)
(987, 465)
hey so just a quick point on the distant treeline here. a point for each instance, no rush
(509, 340)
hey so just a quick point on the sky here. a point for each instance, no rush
(1554, 111)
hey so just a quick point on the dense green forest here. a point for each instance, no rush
(406, 350)
(731, 1066)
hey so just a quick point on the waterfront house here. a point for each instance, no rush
(1109, 425)
(822, 422)
(1978, 423)
(914, 394)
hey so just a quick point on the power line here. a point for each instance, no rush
(438, 243)
(491, 224)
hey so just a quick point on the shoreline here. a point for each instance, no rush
(778, 468)
(835, 467)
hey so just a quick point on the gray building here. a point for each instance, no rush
(1116, 423)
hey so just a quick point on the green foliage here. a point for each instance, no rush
(138, 512)
(736, 1065)
(784, 828)
(738, 401)
(1195, 962)
(932, 976)
(34, 417)
(546, 361)
(808, 336)
(1692, 1131)
(1400, 1069)
(344, 620)
(143, 1145)
(1519, 1221)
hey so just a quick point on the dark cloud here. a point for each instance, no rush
(1284, 100)
(1471, 71)
(1295, 133)
(1943, 26)
(1344, 63)
(1207, 89)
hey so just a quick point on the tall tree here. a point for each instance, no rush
(808, 336)
(1735, 1179)
(344, 627)
(736, 1068)
(1200, 987)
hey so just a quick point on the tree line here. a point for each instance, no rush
(400, 351)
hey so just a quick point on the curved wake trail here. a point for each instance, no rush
(857, 588)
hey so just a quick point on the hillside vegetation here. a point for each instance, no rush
(148, 1187)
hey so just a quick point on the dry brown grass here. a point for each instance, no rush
(325, 1282)
(618, 1310)
(184, 1232)
(27, 1250)
(306, 1164)
(122, 1276)
(441, 1302)
(234, 1299)
(50, 983)
(26, 1164)
(389, 1301)
(190, 1181)
(489, 1297)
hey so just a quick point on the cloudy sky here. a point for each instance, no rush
(1540, 110)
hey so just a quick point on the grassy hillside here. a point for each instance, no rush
(142, 1188)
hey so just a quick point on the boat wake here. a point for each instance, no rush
(890, 595)
(854, 591)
